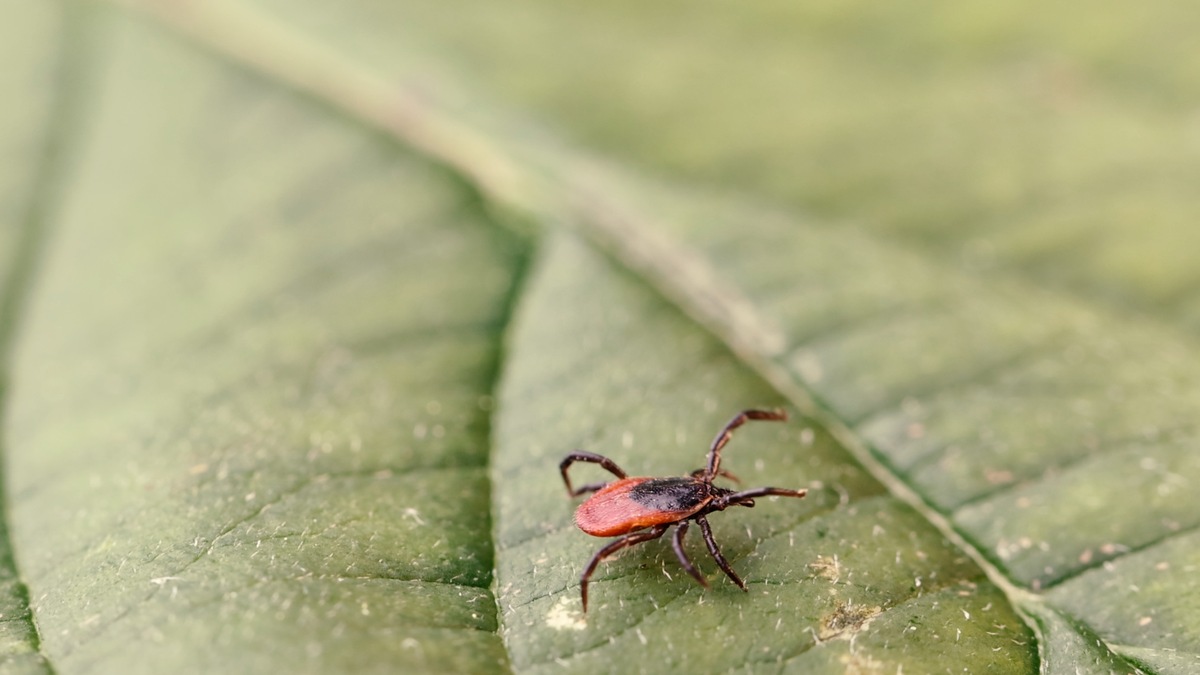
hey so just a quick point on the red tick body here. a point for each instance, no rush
(637, 503)
(642, 508)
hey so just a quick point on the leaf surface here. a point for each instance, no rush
(847, 578)
(256, 437)
(269, 428)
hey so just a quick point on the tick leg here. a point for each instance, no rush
(677, 544)
(746, 497)
(582, 456)
(714, 453)
(613, 547)
(699, 473)
(716, 553)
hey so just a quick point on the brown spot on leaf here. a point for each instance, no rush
(846, 620)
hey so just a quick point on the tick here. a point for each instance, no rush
(639, 508)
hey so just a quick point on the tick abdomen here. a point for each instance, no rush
(639, 502)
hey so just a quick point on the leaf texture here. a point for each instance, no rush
(282, 383)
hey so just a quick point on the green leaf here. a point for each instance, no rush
(848, 578)
(249, 420)
(256, 416)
